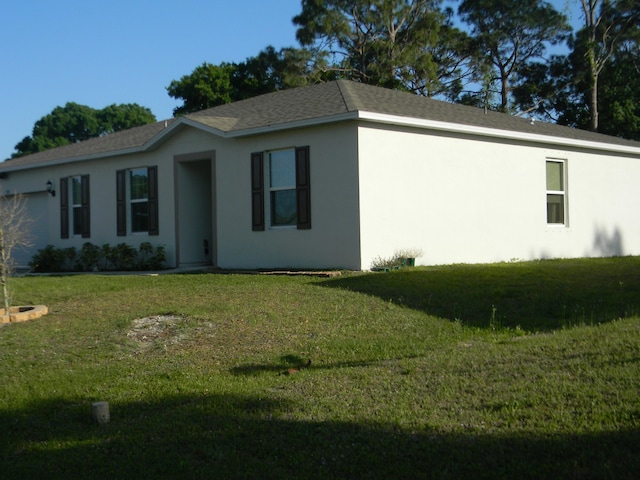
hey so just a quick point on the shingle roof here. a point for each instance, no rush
(342, 96)
(326, 101)
(124, 140)
(379, 100)
(277, 108)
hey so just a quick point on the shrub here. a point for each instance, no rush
(93, 257)
(382, 263)
(107, 257)
(150, 259)
(48, 259)
(401, 258)
(156, 262)
(89, 257)
(119, 257)
(408, 253)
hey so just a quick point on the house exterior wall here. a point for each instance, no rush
(375, 189)
(466, 199)
(332, 241)
(102, 181)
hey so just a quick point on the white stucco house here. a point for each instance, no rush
(334, 175)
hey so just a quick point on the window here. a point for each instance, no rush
(75, 203)
(138, 196)
(556, 198)
(74, 206)
(137, 201)
(282, 188)
(286, 188)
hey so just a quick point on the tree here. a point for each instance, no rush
(14, 233)
(619, 97)
(273, 70)
(508, 36)
(618, 93)
(212, 85)
(401, 44)
(115, 118)
(207, 86)
(602, 72)
(75, 123)
(607, 23)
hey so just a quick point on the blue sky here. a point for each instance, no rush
(98, 53)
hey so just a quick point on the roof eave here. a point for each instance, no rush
(497, 133)
(150, 144)
(78, 158)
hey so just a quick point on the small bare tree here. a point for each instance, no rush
(15, 233)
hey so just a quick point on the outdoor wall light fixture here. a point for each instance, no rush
(50, 188)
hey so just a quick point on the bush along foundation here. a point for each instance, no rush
(94, 258)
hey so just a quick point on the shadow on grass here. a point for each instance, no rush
(535, 296)
(289, 364)
(226, 436)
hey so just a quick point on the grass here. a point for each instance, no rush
(522, 370)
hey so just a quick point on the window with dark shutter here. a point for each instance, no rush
(137, 195)
(303, 188)
(257, 191)
(289, 188)
(121, 203)
(86, 211)
(64, 208)
(154, 227)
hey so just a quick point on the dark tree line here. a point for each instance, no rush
(488, 53)
(75, 123)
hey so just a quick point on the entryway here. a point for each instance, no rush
(195, 222)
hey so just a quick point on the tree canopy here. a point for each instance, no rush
(212, 85)
(390, 43)
(604, 66)
(508, 35)
(75, 123)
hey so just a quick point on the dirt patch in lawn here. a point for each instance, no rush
(156, 329)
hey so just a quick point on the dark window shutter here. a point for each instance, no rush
(154, 227)
(121, 202)
(257, 191)
(64, 208)
(86, 212)
(303, 188)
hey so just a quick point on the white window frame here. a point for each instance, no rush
(75, 208)
(269, 189)
(562, 193)
(131, 201)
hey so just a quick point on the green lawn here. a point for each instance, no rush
(520, 370)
